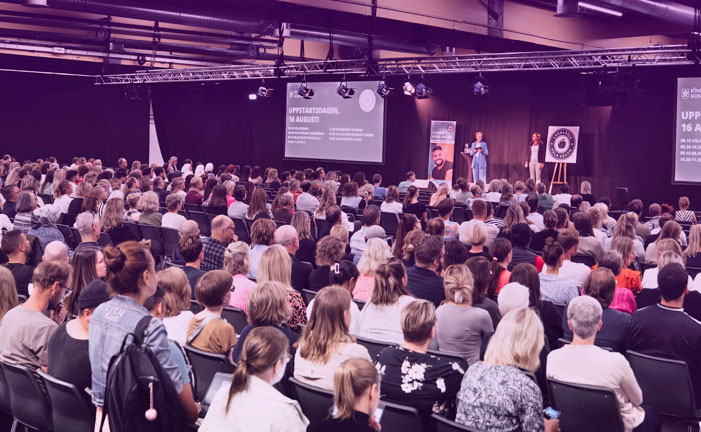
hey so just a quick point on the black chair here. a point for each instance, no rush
(585, 408)
(315, 402)
(308, 295)
(171, 237)
(48, 199)
(202, 221)
(500, 211)
(68, 235)
(205, 365)
(192, 208)
(560, 309)
(236, 317)
(127, 231)
(374, 347)
(150, 232)
(588, 260)
(5, 406)
(458, 215)
(442, 424)
(241, 230)
(104, 240)
(195, 307)
(279, 223)
(70, 408)
(666, 385)
(29, 405)
(390, 222)
(396, 417)
(452, 357)
(68, 219)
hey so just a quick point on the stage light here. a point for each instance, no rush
(344, 91)
(423, 91)
(305, 91)
(409, 89)
(252, 96)
(480, 87)
(383, 89)
(265, 91)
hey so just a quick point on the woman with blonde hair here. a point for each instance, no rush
(585, 191)
(376, 253)
(439, 195)
(476, 236)
(59, 176)
(250, 402)
(664, 248)
(628, 278)
(625, 227)
(262, 236)
(691, 253)
(8, 291)
(236, 262)
(13, 177)
(326, 341)
(302, 223)
(276, 265)
(391, 204)
(258, 204)
(379, 318)
(176, 303)
(684, 214)
(460, 326)
(670, 230)
(411, 242)
(495, 394)
(356, 385)
(148, 204)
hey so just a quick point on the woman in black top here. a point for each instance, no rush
(550, 223)
(356, 386)
(412, 204)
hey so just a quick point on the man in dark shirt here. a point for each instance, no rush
(18, 248)
(68, 347)
(443, 169)
(665, 330)
(521, 239)
(287, 237)
(159, 188)
(10, 193)
(191, 249)
(424, 279)
(215, 245)
(194, 195)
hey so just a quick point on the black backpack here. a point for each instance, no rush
(137, 383)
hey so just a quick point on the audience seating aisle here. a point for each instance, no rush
(299, 262)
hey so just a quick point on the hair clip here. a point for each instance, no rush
(337, 268)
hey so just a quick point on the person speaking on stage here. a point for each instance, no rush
(444, 168)
(479, 152)
(536, 157)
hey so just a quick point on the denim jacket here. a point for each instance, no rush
(109, 325)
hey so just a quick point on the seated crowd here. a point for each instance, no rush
(475, 296)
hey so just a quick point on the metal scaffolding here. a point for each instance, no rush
(541, 60)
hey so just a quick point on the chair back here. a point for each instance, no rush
(442, 424)
(585, 408)
(458, 215)
(308, 296)
(666, 384)
(390, 222)
(396, 417)
(374, 347)
(150, 232)
(48, 199)
(588, 260)
(241, 230)
(104, 240)
(316, 403)
(192, 207)
(126, 232)
(70, 408)
(29, 405)
(236, 317)
(5, 406)
(67, 235)
(195, 307)
(202, 221)
(171, 237)
(69, 219)
(205, 365)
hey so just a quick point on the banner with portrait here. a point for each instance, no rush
(562, 144)
(441, 152)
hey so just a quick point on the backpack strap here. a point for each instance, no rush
(140, 330)
(201, 327)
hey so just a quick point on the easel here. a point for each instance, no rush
(561, 172)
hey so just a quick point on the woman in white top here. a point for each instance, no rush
(380, 317)
(375, 254)
(173, 219)
(391, 204)
(63, 196)
(345, 275)
(177, 303)
(668, 251)
(250, 402)
(326, 342)
(350, 196)
(596, 224)
(670, 230)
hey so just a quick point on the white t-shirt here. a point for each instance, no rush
(574, 272)
(173, 220)
(537, 220)
(393, 207)
(176, 326)
(383, 323)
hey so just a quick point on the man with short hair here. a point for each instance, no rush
(521, 235)
(287, 237)
(284, 211)
(572, 271)
(18, 248)
(445, 211)
(88, 225)
(533, 215)
(25, 330)
(654, 211)
(192, 251)
(122, 163)
(10, 194)
(665, 330)
(423, 279)
(55, 251)
(641, 229)
(379, 192)
(371, 216)
(582, 362)
(238, 208)
(194, 195)
(307, 200)
(159, 188)
(480, 214)
(215, 245)
(410, 179)
(563, 197)
(73, 177)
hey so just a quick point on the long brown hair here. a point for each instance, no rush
(353, 378)
(8, 291)
(264, 346)
(389, 284)
(84, 261)
(327, 327)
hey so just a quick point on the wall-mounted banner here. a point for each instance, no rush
(441, 152)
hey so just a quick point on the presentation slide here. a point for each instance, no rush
(330, 127)
(687, 156)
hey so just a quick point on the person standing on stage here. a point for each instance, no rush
(535, 157)
(479, 152)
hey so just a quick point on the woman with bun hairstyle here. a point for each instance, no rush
(501, 258)
(554, 287)
(131, 279)
(407, 223)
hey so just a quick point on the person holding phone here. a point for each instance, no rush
(536, 157)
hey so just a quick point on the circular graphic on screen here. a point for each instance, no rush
(367, 100)
(562, 144)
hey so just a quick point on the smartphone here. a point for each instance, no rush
(551, 413)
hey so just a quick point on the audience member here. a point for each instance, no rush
(262, 236)
(329, 251)
(423, 279)
(275, 265)
(684, 214)
(302, 224)
(575, 272)
(237, 264)
(285, 208)
(455, 253)
(623, 298)
(376, 253)
(194, 195)
(26, 204)
(207, 330)
(8, 291)
(502, 255)
(192, 251)
(391, 203)
(480, 213)
(553, 287)
(691, 253)
(11, 193)
(527, 275)
(44, 226)
(173, 219)
(371, 217)
(176, 303)
(287, 237)
(476, 236)
(55, 251)
(482, 276)
(628, 278)
(407, 224)
(588, 243)
(88, 265)
(18, 248)
(238, 209)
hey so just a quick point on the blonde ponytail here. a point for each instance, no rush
(353, 378)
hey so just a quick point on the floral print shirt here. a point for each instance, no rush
(423, 381)
(499, 399)
(299, 311)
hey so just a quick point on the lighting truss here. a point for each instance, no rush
(542, 60)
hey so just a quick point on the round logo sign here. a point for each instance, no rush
(450, 128)
(562, 144)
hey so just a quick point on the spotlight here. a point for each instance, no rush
(344, 91)
(252, 96)
(480, 87)
(383, 89)
(409, 89)
(305, 91)
(423, 91)
(265, 91)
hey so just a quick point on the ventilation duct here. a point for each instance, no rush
(659, 9)
(567, 8)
